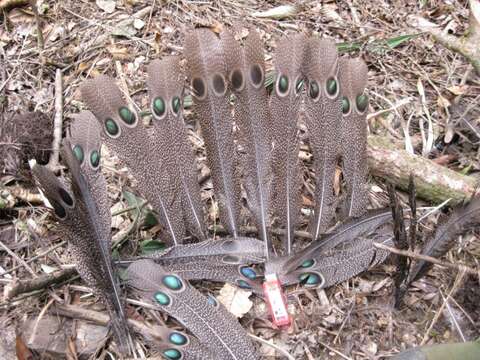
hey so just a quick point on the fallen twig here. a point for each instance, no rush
(24, 286)
(410, 254)
(433, 182)
(58, 121)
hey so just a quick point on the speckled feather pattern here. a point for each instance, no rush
(206, 59)
(252, 117)
(240, 246)
(83, 229)
(192, 350)
(212, 269)
(85, 132)
(353, 79)
(166, 81)
(323, 118)
(136, 149)
(227, 339)
(288, 61)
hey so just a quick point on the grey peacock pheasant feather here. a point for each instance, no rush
(252, 144)
(81, 204)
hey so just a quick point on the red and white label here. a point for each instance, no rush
(275, 299)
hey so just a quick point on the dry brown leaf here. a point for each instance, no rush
(118, 53)
(23, 352)
(458, 89)
(235, 300)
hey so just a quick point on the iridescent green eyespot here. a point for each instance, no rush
(95, 158)
(283, 84)
(178, 339)
(362, 102)
(248, 272)
(307, 263)
(162, 298)
(314, 89)
(331, 86)
(78, 152)
(345, 105)
(310, 279)
(111, 127)
(126, 115)
(176, 104)
(243, 284)
(159, 106)
(173, 354)
(172, 282)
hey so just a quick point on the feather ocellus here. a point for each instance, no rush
(284, 107)
(323, 115)
(124, 133)
(166, 89)
(246, 74)
(80, 221)
(207, 72)
(353, 79)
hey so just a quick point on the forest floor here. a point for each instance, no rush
(432, 95)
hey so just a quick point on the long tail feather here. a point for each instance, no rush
(348, 234)
(323, 114)
(123, 132)
(241, 247)
(210, 323)
(80, 222)
(284, 107)
(353, 78)
(207, 70)
(461, 220)
(86, 144)
(246, 70)
(166, 86)
(335, 266)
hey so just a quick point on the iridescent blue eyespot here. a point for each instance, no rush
(243, 284)
(310, 279)
(248, 272)
(95, 158)
(173, 354)
(212, 301)
(178, 339)
(307, 263)
(159, 106)
(126, 115)
(172, 282)
(111, 127)
(162, 298)
(78, 152)
(176, 104)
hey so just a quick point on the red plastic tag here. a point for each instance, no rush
(275, 298)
